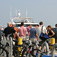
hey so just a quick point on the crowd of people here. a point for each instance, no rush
(32, 32)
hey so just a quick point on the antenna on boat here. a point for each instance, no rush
(10, 13)
(26, 12)
(18, 14)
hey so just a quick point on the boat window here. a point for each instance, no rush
(18, 25)
(26, 25)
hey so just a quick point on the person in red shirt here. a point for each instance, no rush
(28, 29)
(22, 31)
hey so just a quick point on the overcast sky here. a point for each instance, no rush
(39, 10)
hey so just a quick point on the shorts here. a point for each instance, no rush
(33, 39)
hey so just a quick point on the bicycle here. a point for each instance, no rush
(29, 49)
(16, 52)
(3, 51)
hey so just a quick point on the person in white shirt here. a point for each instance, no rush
(41, 28)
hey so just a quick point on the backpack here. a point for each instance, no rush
(55, 31)
(43, 36)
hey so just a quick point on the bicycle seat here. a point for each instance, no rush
(27, 42)
(34, 43)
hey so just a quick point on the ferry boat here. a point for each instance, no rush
(17, 20)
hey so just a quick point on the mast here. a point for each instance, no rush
(18, 14)
(10, 13)
(26, 13)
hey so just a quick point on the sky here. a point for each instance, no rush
(39, 10)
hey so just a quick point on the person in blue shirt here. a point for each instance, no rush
(33, 34)
(55, 31)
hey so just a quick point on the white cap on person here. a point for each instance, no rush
(13, 23)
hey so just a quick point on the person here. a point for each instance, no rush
(50, 33)
(22, 31)
(16, 29)
(15, 36)
(36, 27)
(9, 30)
(33, 34)
(41, 28)
(28, 29)
(55, 31)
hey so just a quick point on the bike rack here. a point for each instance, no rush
(47, 48)
(53, 49)
(8, 48)
(52, 52)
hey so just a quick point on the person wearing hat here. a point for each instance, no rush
(9, 30)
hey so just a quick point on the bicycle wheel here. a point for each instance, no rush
(26, 53)
(3, 52)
